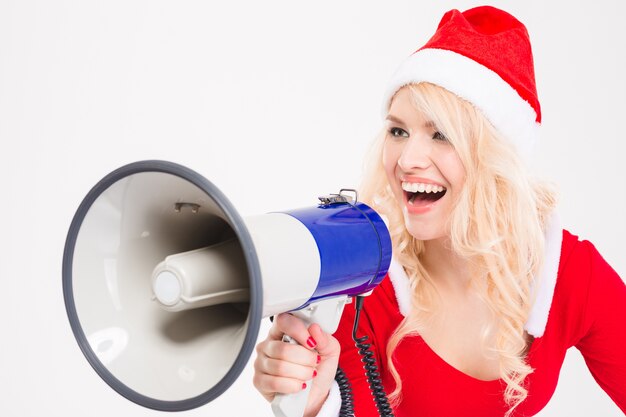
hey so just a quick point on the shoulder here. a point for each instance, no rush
(576, 252)
(380, 312)
(579, 265)
(385, 302)
(573, 273)
(563, 279)
(585, 282)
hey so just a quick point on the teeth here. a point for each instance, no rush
(414, 187)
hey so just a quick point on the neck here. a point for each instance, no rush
(449, 271)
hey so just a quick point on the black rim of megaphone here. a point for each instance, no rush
(256, 302)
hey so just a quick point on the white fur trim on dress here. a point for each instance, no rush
(546, 280)
(509, 113)
(401, 285)
(332, 405)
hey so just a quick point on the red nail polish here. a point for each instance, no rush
(319, 358)
(314, 373)
(303, 385)
(311, 342)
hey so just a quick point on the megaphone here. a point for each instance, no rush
(165, 284)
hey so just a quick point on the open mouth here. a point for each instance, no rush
(424, 198)
(419, 194)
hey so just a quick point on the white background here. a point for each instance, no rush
(275, 102)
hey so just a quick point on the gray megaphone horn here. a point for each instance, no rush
(165, 285)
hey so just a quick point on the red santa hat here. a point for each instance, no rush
(482, 55)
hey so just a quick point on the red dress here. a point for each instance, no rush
(587, 310)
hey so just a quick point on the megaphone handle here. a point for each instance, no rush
(291, 405)
(326, 313)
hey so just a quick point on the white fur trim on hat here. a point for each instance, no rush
(546, 280)
(509, 113)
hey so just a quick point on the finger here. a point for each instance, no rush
(327, 345)
(286, 369)
(294, 327)
(275, 384)
(291, 353)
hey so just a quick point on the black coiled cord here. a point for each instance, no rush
(371, 371)
(347, 407)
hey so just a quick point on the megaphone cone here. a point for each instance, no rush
(165, 284)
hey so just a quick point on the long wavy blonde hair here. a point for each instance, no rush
(497, 224)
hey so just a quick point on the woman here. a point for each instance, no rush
(486, 291)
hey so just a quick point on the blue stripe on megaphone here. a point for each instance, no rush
(354, 246)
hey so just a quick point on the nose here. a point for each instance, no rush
(416, 154)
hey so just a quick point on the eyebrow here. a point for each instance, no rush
(394, 119)
(429, 124)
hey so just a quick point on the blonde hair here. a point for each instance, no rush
(497, 224)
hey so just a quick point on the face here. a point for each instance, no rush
(424, 170)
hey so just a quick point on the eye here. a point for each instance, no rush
(397, 132)
(440, 136)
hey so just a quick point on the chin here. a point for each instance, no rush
(423, 231)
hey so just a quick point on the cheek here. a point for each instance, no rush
(455, 171)
(459, 174)
(390, 160)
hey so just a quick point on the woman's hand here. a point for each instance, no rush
(284, 368)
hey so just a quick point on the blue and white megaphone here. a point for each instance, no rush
(165, 285)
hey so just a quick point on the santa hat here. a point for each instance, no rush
(482, 55)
